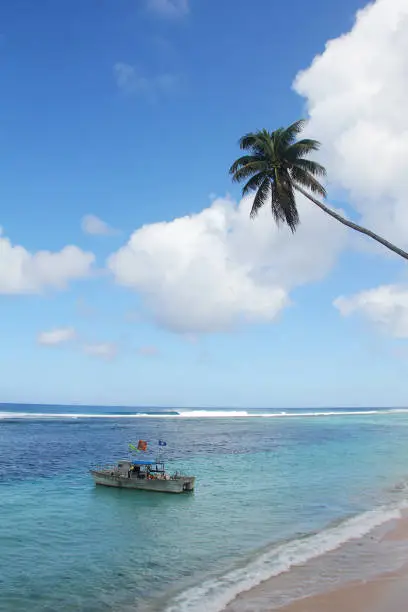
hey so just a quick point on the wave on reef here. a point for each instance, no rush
(195, 414)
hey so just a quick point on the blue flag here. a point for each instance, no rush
(162, 443)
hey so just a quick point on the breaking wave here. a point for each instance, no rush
(215, 594)
(195, 414)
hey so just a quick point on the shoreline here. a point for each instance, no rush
(329, 583)
(386, 593)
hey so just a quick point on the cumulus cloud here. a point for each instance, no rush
(356, 93)
(169, 8)
(386, 306)
(91, 224)
(56, 336)
(25, 272)
(131, 80)
(103, 350)
(210, 271)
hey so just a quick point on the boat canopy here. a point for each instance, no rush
(144, 462)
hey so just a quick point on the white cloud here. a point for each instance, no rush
(209, 271)
(103, 350)
(25, 272)
(131, 80)
(91, 224)
(386, 306)
(357, 93)
(169, 8)
(56, 336)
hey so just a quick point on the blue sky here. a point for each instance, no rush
(130, 111)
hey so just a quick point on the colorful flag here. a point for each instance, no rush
(162, 443)
(133, 448)
(142, 446)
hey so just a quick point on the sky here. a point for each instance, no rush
(130, 272)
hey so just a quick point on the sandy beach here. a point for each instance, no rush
(387, 592)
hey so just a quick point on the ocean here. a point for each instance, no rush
(275, 489)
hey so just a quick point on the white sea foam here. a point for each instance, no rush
(198, 414)
(216, 593)
(220, 414)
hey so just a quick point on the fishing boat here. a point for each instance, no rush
(142, 475)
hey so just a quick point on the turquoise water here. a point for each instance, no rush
(262, 483)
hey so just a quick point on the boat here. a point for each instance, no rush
(142, 475)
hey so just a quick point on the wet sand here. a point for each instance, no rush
(387, 593)
(399, 532)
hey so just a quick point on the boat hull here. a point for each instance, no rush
(183, 484)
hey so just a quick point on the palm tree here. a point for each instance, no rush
(276, 166)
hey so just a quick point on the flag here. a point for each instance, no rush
(142, 446)
(162, 443)
(133, 448)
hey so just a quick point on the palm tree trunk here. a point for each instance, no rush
(354, 226)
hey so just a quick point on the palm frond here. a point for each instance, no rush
(248, 170)
(284, 202)
(289, 134)
(257, 143)
(277, 210)
(301, 148)
(278, 139)
(254, 183)
(243, 161)
(310, 166)
(306, 180)
(249, 141)
(274, 166)
(261, 197)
